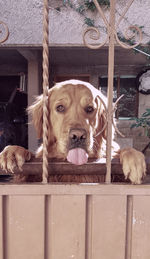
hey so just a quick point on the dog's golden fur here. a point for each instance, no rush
(75, 105)
(75, 96)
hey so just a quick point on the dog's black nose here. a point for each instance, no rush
(77, 134)
(77, 137)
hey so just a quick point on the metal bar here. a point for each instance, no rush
(118, 93)
(101, 13)
(110, 89)
(6, 31)
(45, 87)
(125, 11)
(111, 36)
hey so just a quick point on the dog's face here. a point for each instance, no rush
(76, 115)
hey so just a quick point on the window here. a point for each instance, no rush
(128, 105)
(60, 78)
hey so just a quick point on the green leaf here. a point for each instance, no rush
(133, 126)
(89, 21)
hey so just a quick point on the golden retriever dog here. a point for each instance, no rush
(76, 119)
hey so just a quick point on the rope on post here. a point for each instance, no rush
(45, 88)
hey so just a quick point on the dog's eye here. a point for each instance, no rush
(60, 108)
(89, 109)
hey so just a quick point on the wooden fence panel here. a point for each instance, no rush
(66, 227)
(108, 227)
(141, 227)
(74, 222)
(1, 228)
(25, 227)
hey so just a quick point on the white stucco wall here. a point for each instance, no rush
(24, 19)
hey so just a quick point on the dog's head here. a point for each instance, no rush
(76, 116)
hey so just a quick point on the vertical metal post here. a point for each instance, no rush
(110, 88)
(45, 88)
(111, 37)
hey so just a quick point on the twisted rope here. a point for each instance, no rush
(45, 88)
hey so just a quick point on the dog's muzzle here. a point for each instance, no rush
(77, 138)
(77, 146)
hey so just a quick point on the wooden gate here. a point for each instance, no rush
(74, 221)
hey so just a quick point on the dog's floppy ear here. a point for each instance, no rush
(36, 111)
(102, 104)
(102, 123)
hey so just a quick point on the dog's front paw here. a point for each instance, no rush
(133, 165)
(13, 157)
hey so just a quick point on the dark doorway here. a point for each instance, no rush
(13, 117)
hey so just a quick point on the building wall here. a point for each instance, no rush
(24, 19)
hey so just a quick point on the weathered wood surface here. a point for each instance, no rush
(34, 168)
(76, 221)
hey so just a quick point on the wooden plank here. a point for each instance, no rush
(1, 227)
(25, 227)
(141, 227)
(128, 242)
(34, 168)
(74, 189)
(108, 227)
(66, 226)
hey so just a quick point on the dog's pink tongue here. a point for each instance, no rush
(77, 156)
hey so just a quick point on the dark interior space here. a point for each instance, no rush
(13, 117)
